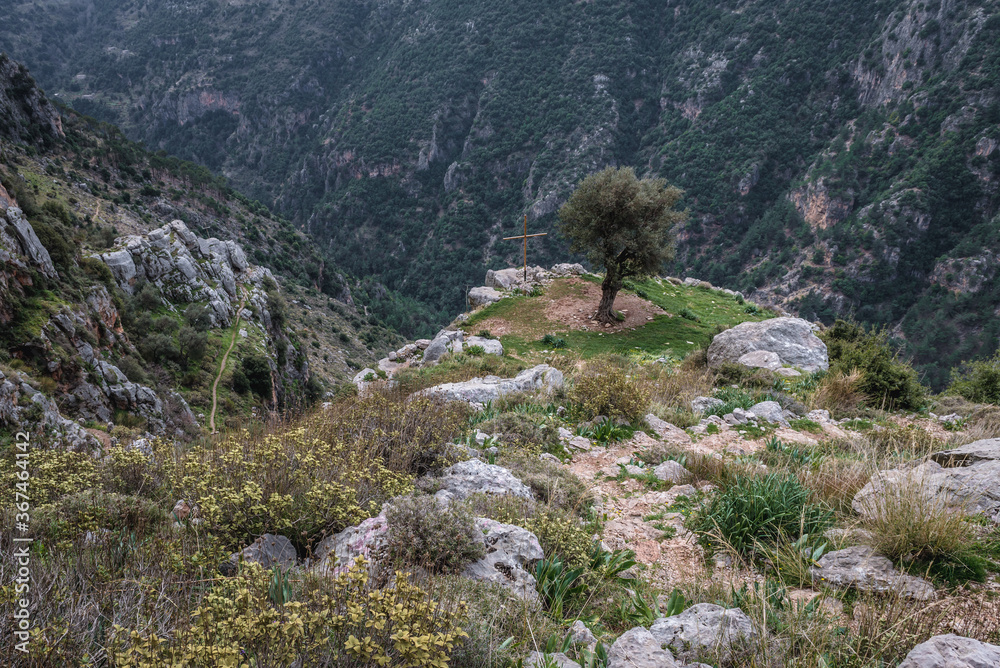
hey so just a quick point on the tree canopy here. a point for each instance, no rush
(624, 224)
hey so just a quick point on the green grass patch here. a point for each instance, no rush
(804, 424)
(668, 334)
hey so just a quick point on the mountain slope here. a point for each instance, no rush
(836, 156)
(116, 303)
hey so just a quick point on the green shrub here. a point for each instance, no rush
(732, 398)
(422, 533)
(258, 374)
(978, 381)
(759, 510)
(606, 389)
(551, 483)
(474, 351)
(886, 381)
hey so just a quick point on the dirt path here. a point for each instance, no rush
(222, 366)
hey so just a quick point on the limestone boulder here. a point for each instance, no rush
(482, 390)
(793, 340)
(705, 630)
(952, 651)
(860, 567)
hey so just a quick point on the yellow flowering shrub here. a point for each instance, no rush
(288, 482)
(52, 474)
(344, 623)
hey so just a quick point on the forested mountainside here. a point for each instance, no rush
(838, 156)
(140, 292)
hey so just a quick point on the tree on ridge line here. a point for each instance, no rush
(624, 224)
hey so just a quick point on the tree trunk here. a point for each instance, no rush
(609, 290)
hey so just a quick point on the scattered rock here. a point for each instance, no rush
(337, 553)
(667, 431)
(637, 648)
(792, 339)
(483, 295)
(702, 404)
(859, 567)
(483, 390)
(581, 635)
(671, 471)
(952, 651)
(489, 346)
(770, 411)
(269, 550)
(703, 630)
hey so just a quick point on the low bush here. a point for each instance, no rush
(978, 381)
(95, 511)
(886, 381)
(422, 533)
(757, 511)
(552, 484)
(520, 431)
(605, 388)
(839, 392)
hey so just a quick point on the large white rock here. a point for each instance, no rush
(483, 295)
(510, 552)
(705, 630)
(793, 340)
(483, 390)
(473, 476)
(489, 346)
(952, 651)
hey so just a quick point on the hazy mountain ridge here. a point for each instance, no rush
(833, 154)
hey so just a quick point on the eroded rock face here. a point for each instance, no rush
(188, 269)
(337, 553)
(793, 340)
(859, 567)
(952, 651)
(705, 630)
(17, 237)
(482, 390)
(24, 409)
(965, 479)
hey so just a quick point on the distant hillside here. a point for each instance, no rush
(111, 313)
(838, 157)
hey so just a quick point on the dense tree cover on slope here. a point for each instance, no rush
(835, 155)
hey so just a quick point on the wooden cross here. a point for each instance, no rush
(525, 236)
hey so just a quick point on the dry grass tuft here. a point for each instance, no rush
(840, 393)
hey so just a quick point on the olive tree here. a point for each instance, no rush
(623, 224)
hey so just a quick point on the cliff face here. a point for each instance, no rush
(25, 112)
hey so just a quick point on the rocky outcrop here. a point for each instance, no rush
(188, 269)
(793, 340)
(637, 648)
(859, 567)
(513, 279)
(510, 550)
(966, 479)
(25, 113)
(483, 295)
(24, 409)
(20, 245)
(483, 390)
(952, 651)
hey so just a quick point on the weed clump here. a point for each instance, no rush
(423, 533)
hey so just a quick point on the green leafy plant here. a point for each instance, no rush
(558, 585)
(756, 511)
